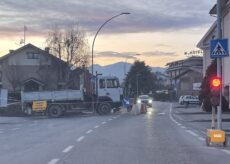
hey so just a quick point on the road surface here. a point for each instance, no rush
(162, 136)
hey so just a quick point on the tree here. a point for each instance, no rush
(69, 45)
(205, 85)
(205, 92)
(141, 74)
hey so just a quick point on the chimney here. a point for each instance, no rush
(47, 49)
(11, 51)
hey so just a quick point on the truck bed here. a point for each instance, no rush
(52, 95)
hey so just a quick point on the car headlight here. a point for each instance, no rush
(138, 101)
(150, 101)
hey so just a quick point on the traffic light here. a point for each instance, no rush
(215, 83)
(215, 86)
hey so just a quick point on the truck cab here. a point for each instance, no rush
(109, 88)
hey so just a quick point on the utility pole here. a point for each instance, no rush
(219, 64)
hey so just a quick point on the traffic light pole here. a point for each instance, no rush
(219, 65)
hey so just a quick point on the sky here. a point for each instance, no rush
(156, 31)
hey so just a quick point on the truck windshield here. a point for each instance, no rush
(112, 83)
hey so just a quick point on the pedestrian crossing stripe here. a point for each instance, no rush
(219, 50)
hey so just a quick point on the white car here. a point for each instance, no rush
(181, 100)
(188, 99)
(145, 99)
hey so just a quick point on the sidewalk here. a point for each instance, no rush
(195, 117)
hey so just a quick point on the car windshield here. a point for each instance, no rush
(114, 82)
(144, 97)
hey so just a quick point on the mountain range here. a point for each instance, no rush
(120, 69)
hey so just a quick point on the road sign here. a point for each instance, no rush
(219, 48)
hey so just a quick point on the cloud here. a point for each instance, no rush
(158, 53)
(126, 55)
(146, 15)
(134, 55)
(162, 45)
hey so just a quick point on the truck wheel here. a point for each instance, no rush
(207, 141)
(28, 110)
(55, 111)
(225, 144)
(104, 108)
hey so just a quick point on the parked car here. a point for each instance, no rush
(189, 99)
(145, 99)
(181, 100)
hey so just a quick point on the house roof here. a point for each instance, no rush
(183, 60)
(211, 31)
(188, 70)
(213, 11)
(34, 80)
(29, 45)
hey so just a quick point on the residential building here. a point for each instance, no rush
(204, 44)
(185, 75)
(30, 68)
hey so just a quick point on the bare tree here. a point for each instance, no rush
(55, 42)
(69, 45)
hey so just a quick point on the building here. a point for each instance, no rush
(30, 68)
(186, 75)
(162, 80)
(204, 44)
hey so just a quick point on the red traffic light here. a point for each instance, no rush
(215, 83)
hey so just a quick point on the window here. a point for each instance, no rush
(102, 83)
(32, 55)
(112, 83)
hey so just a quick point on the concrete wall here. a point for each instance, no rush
(226, 61)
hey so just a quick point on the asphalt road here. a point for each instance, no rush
(162, 136)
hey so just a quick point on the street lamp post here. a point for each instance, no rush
(137, 82)
(124, 13)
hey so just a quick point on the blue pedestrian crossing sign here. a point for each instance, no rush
(219, 48)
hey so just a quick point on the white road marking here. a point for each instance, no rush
(53, 161)
(97, 126)
(66, 150)
(179, 117)
(89, 131)
(110, 119)
(80, 138)
(192, 133)
(114, 117)
(103, 123)
(201, 138)
(203, 132)
(161, 113)
(15, 129)
(226, 151)
(170, 114)
(183, 127)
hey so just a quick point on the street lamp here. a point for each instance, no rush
(124, 13)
